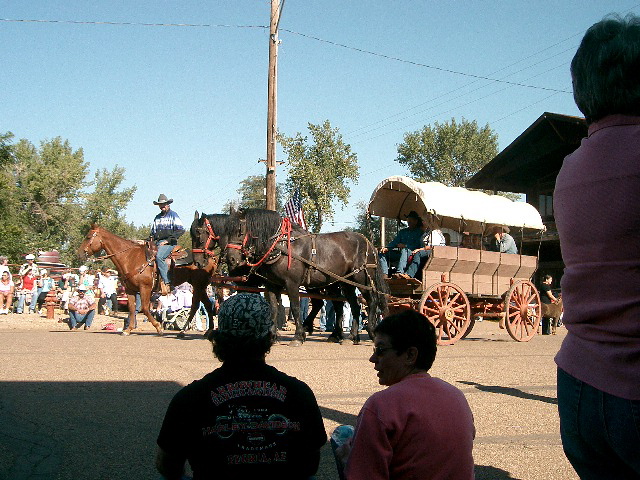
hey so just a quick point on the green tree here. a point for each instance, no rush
(449, 153)
(370, 226)
(105, 204)
(321, 171)
(49, 182)
(11, 238)
(252, 194)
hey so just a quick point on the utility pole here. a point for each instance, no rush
(272, 91)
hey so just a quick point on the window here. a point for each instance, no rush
(545, 205)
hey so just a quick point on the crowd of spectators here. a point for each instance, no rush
(25, 288)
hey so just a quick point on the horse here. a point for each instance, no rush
(289, 257)
(199, 278)
(138, 276)
(552, 311)
(209, 238)
(133, 267)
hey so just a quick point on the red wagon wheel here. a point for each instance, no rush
(522, 311)
(448, 308)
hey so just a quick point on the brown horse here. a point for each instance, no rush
(134, 270)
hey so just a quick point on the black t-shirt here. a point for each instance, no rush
(245, 421)
(544, 297)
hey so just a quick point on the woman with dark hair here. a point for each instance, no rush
(596, 212)
(419, 427)
(245, 419)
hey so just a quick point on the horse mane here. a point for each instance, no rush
(104, 230)
(261, 224)
(218, 223)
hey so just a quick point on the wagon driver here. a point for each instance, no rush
(407, 240)
(165, 231)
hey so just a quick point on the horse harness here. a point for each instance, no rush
(211, 239)
(277, 249)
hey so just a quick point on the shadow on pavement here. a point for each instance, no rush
(485, 472)
(88, 430)
(514, 392)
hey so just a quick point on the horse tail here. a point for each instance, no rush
(381, 290)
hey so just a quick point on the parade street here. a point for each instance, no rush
(89, 405)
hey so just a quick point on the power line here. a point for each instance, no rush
(418, 64)
(361, 50)
(134, 24)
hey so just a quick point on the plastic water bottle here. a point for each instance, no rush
(342, 434)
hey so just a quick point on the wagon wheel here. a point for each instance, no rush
(522, 311)
(448, 308)
(181, 318)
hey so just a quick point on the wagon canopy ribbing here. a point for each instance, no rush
(456, 207)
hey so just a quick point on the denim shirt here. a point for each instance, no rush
(410, 237)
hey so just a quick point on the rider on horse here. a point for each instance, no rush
(165, 230)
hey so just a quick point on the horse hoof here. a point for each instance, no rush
(125, 333)
(295, 343)
(180, 335)
(160, 331)
(333, 339)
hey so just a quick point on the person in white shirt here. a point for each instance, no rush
(108, 285)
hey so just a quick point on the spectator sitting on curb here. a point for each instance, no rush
(279, 425)
(6, 292)
(82, 309)
(29, 266)
(4, 266)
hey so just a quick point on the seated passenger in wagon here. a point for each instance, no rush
(407, 240)
(431, 237)
(502, 242)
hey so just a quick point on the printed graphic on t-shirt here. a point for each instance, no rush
(252, 434)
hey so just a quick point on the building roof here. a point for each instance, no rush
(538, 151)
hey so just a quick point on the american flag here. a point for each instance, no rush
(293, 209)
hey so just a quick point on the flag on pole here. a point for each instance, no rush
(293, 209)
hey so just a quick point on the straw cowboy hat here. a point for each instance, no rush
(163, 200)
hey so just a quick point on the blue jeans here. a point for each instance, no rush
(402, 263)
(21, 299)
(163, 252)
(328, 320)
(34, 299)
(304, 308)
(75, 318)
(412, 270)
(600, 432)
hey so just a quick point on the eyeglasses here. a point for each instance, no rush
(379, 351)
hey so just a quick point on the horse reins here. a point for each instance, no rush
(104, 257)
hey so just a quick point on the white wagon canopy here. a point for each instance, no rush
(456, 207)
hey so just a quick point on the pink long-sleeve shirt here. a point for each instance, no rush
(419, 428)
(597, 212)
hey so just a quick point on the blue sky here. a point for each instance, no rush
(183, 108)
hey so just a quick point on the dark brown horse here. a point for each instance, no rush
(199, 278)
(209, 238)
(133, 268)
(289, 257)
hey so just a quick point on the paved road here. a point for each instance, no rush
(88, 405)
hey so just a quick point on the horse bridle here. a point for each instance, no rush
(283, 234)
(86, 248)
(211, 238)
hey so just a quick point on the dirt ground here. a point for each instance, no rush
(89, 404)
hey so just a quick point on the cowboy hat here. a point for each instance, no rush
(413, 214)
(163, 200)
